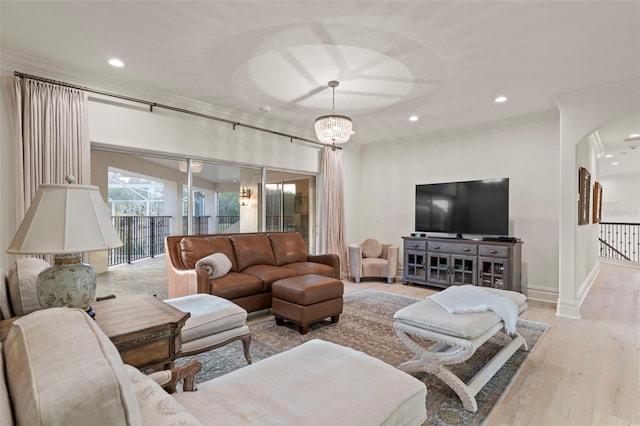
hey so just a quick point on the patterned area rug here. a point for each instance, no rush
(366, 325)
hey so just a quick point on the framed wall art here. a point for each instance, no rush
(584, 196)
(597, 202)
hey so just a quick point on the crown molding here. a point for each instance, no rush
(11, 61)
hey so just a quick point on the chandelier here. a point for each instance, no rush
(333, 129)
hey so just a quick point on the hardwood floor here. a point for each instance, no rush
(582, 372)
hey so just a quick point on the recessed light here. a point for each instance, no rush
(615, 163)
(115, 62)
(608, 156)
(500, 99)
(414, 118)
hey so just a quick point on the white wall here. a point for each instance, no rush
(384, 196)
(621, 198)
(587, 235)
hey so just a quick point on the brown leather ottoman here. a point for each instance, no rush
(306, 299)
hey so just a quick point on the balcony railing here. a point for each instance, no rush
(620, 241)
(200, 225)
(142, 236)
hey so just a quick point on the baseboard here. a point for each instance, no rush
(544, 294)
(587, 283)
(568, 309)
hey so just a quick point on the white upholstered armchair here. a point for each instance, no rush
(373, 259)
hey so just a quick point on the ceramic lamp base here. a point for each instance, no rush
(69, 282)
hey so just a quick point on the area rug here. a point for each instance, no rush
(367, 325)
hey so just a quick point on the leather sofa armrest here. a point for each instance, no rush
(181, 280)
(327, 259)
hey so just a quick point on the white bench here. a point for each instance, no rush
(456, 337)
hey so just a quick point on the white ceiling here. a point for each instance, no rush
(444, 61)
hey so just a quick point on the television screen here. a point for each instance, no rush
(473, 207)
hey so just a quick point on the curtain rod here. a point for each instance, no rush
(171, 108)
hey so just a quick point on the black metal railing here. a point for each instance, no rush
(620, 241)
(142, 236)
(225, 222)
(200, 225)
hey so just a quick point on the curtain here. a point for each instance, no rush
(332, 232)
(50, 137)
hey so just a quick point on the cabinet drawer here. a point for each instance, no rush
(415, 245)
(438, 247)
(494, 251)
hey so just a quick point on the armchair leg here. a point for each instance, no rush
(246, 341)
(357, 279)
(390, 280)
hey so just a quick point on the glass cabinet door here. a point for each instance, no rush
(463, 270)
(493, 273)
(414, 262)
(438, 270)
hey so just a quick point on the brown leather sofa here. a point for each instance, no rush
(257, 261)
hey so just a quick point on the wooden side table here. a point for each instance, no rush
(145, 330)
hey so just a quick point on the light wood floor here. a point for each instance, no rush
(582, 372)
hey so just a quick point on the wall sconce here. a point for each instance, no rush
(244, 196)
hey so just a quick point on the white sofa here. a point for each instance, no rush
(61, 369)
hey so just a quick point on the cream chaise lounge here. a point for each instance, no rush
(61, 369)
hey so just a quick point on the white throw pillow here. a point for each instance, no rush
(23, 274)
(217, 265)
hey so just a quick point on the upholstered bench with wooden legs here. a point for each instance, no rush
(439, 338)
(214, 322)
(306, 299)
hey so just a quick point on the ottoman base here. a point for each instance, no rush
(306, 299)
(302, 315)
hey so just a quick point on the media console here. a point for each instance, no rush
(442, 262)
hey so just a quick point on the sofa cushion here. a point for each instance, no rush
(234, 285)
(156, 406)
(63, 370)
(6, 417)
(314, 268)
(217, 265)
(288, 247)
(252, 249)
(195, 248)
(371, 248)
(270, 274)
(23, 274)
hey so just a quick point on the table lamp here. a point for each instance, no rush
(66, 220)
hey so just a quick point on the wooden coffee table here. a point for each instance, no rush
(145, 330)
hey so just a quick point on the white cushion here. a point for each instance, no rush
(431, 316)
(63, 370)
(156, 406)
(23, 274)
(209, 315)
(6, 417)
(317, 382)
(217, 265)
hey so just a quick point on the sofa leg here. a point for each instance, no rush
(303, 329)
(334, 319)
(279, 321)
(246, 341)
(357, 279)
(390, 280)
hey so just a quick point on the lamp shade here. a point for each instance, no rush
(65, 219)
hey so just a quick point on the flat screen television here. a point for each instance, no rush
(473, 207)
